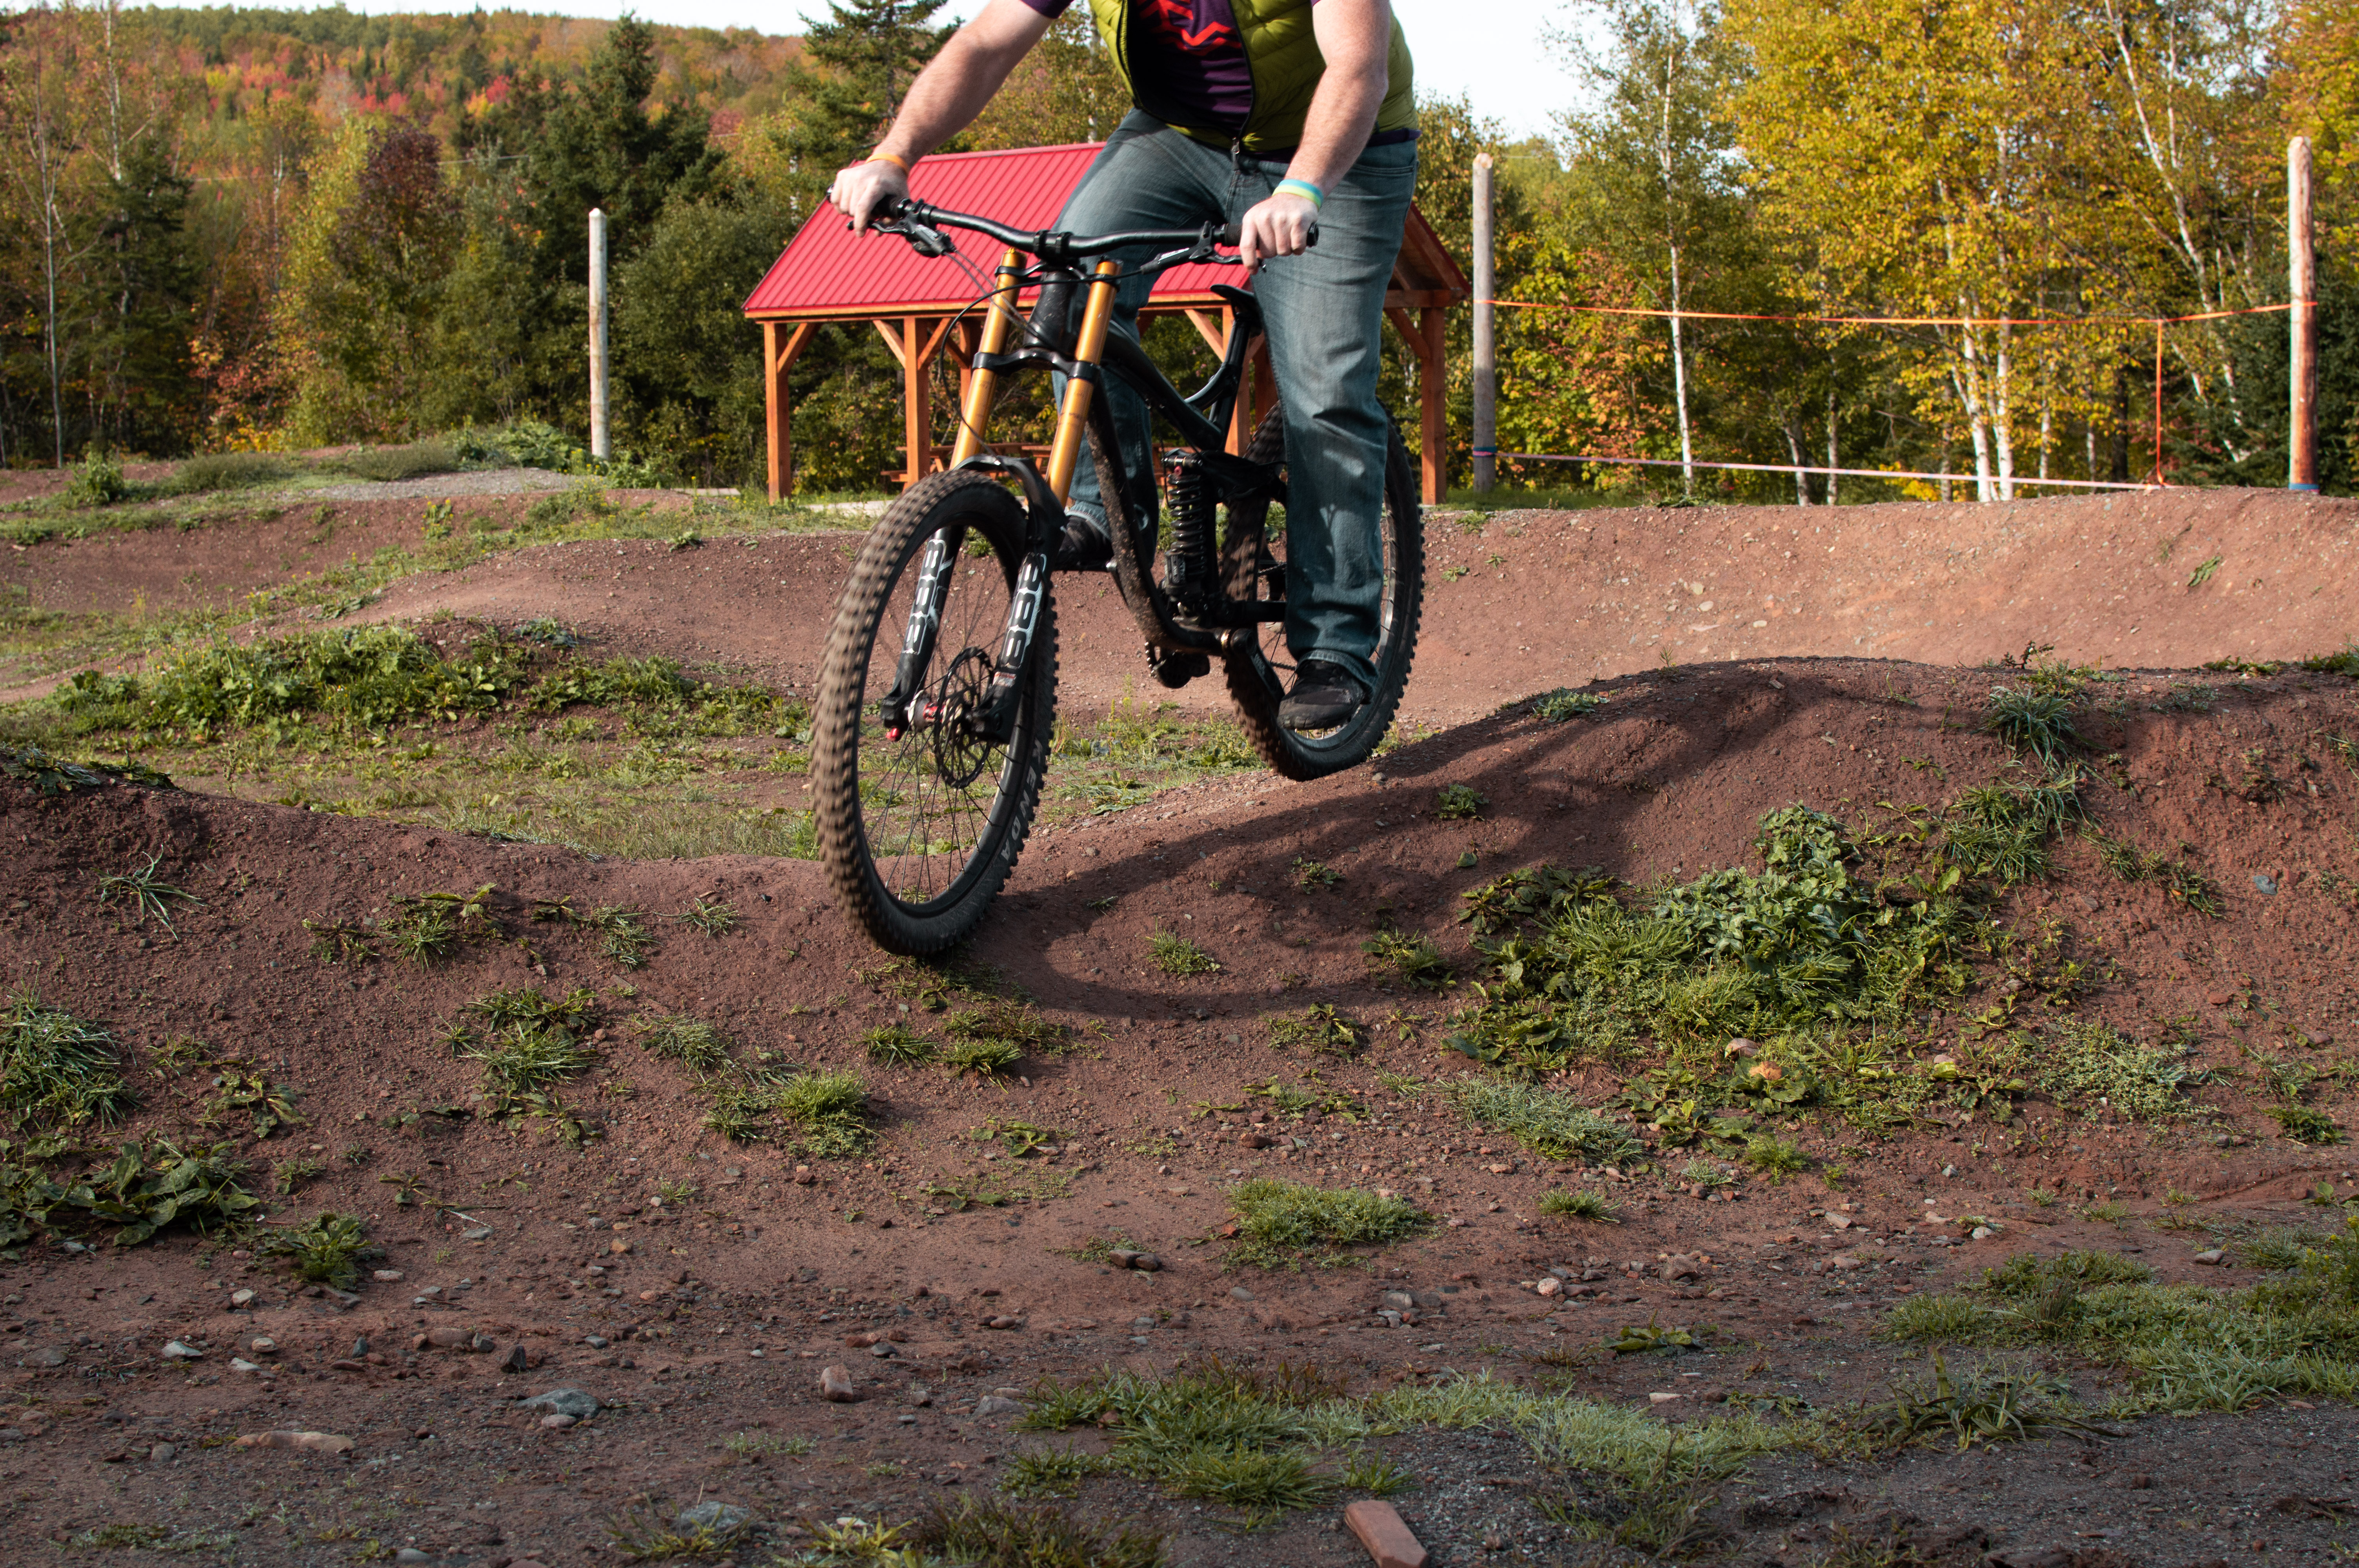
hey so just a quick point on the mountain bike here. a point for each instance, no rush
(937, 690)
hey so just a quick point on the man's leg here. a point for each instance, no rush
(1148, 177)
(1325, 310)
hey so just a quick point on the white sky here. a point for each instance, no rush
(1491, 51)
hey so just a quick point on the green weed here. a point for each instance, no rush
(710, 916)
(56, 1069)
(1458, 802)
(1550, 1123)
(2304, 1124)
(1281, 1223)
(693, 1043)
(2034, 721)
(1582, 1205)
(1310, 875)
(1176, 955)
(994, 1534)
(895, 1046)
(1556, 707)
(1983, 1407)
(1415, 958)
(326, 1249)
(1318, 1028)
(147, 894)
(1775, 1158)
(983, 1058)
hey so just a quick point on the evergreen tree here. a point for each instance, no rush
(139, 288)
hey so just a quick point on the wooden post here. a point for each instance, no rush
(1433, 425)
(917, 411)
(600, 446)
(1486, 357)
(2301, 412)
(777, 358)
(2158, 402)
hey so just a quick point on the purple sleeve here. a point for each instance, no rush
(1052, 9)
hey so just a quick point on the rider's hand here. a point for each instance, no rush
(866, 189)
(1279, 226)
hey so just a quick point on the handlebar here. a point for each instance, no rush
(921, 224)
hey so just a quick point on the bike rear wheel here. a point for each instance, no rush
(920, 823)
(1258, 671)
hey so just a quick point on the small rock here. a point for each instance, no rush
(1239, 1293)
(1660, 1398)
(308, 1442)
(713, 1515)
(618, 1246)
(176, 1351)
(558, 1422)
(882, 1350)
(2264, 884)
(918, 1395)
(2132, 1480)
(563, 1402)
(804, 1176)
(1147, 1263)
(518, 1359)
(241, 1298)
(594, 1341)
(163, 1452)
(1741, 1047)
(835, 1385)
(1679, 1266)
(2213, 1256)
(240, 1364)
(48, 1355)
(2219, 998)
(1949, 1170)
(448, 1338)
(1550, 1286)
(1842, 1221)
(479, 1233)
(387, 1276)
(411, 1555)
(1255, 1140)
(1982, 1233)
(263, 1345)
(997, 1404)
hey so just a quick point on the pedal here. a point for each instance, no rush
(1175, 670)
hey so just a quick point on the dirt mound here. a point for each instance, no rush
(1516, 603)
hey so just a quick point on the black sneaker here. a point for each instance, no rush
(1087, 543)
(1323, 696)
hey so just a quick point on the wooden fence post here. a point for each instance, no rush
(1487, 353)
(2301, 412)
(601, 446)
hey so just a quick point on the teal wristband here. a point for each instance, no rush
(1304, 189)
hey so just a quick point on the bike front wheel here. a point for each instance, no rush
(921, 809)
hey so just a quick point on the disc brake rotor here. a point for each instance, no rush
(944, 711)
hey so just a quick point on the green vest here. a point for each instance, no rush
(1283, 56)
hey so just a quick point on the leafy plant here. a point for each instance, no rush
(1458, 802)
(1318, 1028)
(993, 1532)
(1648, 1337)
(1310, 874)
(1019, 1138)
(147, 894)
(830, 1110)
(1415, 958)
(156, 1184)
(1556, 707)
(983, 1058)
(2304, 1124)
(1775, 1158)
(240, 1089)
(326, 1249)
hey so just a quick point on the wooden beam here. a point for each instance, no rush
(1432, 386)
(779, 349)
(1406, 325)
(917, 402)
(885, 331)
(1217, 336)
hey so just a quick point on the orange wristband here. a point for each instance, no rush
(902, 164)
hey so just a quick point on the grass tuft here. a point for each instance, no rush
(56, 1069)
(1281, 1223)
(326, 1249)
(994, 1534)
(1982, 1406)
(1415, 958)
(1549, 1122)
(2031, 719)
(1175, 955)
(1582, 1204)
(147, 894)
(895, 1046)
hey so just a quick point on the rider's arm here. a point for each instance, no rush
(944, 100)
(1355, 37)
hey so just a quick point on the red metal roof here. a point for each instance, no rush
(829, 271)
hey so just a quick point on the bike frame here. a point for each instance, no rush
(1199, 418)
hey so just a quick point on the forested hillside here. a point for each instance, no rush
(230, 228)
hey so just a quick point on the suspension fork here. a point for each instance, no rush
(925, 625)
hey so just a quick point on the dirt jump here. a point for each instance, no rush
(1828, 1038)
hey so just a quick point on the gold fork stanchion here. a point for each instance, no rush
(996, 321)
(1073, 419)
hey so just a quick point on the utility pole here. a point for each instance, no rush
(601, 446)
(1487, 353)
(2301, 257)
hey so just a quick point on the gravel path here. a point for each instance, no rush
(430, 487)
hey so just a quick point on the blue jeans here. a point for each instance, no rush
(1324, 312)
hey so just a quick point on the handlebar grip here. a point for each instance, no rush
(1233, 234)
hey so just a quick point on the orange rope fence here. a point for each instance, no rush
(1805, 468)
(2157, 322)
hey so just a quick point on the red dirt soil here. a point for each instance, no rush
(1668, 778)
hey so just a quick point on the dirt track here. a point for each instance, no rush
(1666, 779)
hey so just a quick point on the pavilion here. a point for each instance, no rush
(829, 274)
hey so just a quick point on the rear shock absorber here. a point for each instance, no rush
(1188, 575)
